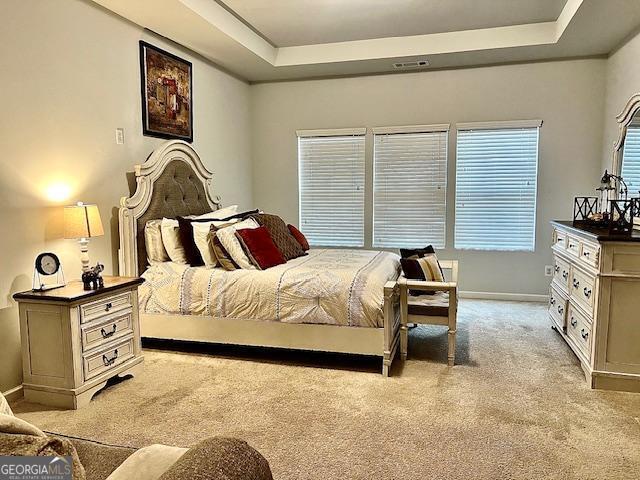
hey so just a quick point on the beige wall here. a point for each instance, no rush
(622, 81)
(70, 77)
(567, 96)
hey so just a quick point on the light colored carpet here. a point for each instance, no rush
(515, 406)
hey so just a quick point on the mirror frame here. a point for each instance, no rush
(624, 119)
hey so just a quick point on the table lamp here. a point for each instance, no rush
(81, 222)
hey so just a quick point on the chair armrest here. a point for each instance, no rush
(422, 285)
(450, 265)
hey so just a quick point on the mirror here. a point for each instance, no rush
(626, 153)
(626, 159)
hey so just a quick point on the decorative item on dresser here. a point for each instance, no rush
(594, 302)
(74, 340)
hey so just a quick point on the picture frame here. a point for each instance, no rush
(166, 87)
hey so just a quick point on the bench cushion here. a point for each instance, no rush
(436, 305)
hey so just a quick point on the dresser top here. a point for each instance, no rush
(598, 234)
(74, 290)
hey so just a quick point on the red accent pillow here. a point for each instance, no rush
(259, 247)
(299, 236)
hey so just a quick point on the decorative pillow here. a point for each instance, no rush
(299, 236)
(219, 214)
(422, 268)
(286, 243)
(230, 242)
(259, 247)
(219, 252)
(171, 240)
(201, 234)
(419, 253)
(156, 252)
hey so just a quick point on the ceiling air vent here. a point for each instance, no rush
(414, 64)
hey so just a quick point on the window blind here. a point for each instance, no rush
(409, 188)
(496, 184)
(331, 194)
(631, 160)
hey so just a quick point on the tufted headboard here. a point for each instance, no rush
(173, 181)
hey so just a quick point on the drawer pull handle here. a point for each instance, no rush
(557, 268)
(587, 292)
(576, 283)
(571, 245)
(584, 334)
(586, 254)
(565, 275)
(106, 334)
(552, 301)
(110, 361)
(108, 307)
(560, 309)
(574, 322)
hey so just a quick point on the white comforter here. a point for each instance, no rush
(337, 287)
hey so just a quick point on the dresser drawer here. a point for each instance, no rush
(573, 246)
(583, 289)
(105, 306)
(590, 254)
(558, 308)
(579, 330)
(103, 360)
(559, 239)
(100, 333)
(561, 273)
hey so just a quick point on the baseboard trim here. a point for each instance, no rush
(513, 297)
(16, 393)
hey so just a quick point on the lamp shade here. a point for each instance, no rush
(82, 221)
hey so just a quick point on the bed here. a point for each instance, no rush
(331, 300)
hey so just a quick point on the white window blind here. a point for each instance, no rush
(496, 184)
(410, 186)
(331, 178)
(631, 160)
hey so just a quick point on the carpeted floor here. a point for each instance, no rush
(515, 406)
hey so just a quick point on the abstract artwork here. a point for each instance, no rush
(167, 103)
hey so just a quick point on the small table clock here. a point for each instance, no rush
(47, 264)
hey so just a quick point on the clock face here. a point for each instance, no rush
(47, 263)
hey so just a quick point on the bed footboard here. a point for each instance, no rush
(391, 311)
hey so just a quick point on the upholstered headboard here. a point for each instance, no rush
(173, 181)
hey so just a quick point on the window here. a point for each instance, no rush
(409, 186)
(631, 160)
(496, 183)
(331, 179)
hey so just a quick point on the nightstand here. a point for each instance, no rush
(74, 340)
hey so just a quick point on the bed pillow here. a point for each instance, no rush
(171, 240)
(259, 247)
(286, 243)
(231, 244)
(156, 252)
(424, 267)
(201, 237)
(219, 252)
(219, 214)
(299, 236)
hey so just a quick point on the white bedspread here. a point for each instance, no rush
(337, 287)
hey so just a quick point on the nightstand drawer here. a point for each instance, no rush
(95, 310)
(108, 358)
(96, 334)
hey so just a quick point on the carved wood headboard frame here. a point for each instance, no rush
(172, 181)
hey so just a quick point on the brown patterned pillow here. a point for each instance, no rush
(281, 236)
(221, 254)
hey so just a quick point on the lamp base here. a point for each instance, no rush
(84, 254)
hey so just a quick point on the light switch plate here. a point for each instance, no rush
(120, 136)
(548, 270)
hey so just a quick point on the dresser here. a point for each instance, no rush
(594, 302)
(73, 340)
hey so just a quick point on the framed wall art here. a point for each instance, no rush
(167, 94)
